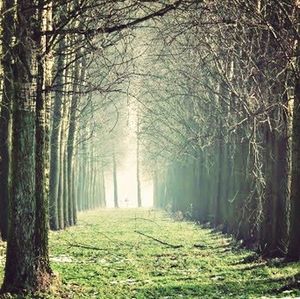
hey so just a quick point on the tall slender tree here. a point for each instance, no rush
(115, 180)
(138, 179)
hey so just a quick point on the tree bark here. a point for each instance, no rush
(294, 242)
(5, 115)
(55, 138)
(27, 263)
(42, 165)
(79, 74)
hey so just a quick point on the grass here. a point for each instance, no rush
(104, 257)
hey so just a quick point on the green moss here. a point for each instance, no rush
(103, 257)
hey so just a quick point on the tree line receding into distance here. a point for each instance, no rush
(214, 86)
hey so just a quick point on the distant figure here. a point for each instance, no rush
(126, 201)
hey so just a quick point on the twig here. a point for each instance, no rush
(145, 219)
(159, 241)
(85, 246)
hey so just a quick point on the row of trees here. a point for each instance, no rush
(226, 106)
(218, 121)
(54, 55)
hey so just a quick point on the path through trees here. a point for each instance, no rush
(189, 106)
(103, 257)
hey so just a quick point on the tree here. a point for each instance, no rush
(55, 165)
(115, 180)
(294, 238)
(27, 263)
(217, 113)
(138, 179)
(5, 116)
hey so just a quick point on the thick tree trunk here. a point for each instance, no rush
(294, 97)
(5, 115)
(266, 228)
(27, 264)
(20, 260)
(294, 242)
(42, 166)
(283, 189)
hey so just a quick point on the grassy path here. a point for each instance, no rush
(103, 257)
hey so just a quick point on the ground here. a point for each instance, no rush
(111, 254)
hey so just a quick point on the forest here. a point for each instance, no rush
(150, 149)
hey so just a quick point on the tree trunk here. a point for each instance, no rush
(60, 192)
(64, 143)
(55, 138)
(5, 115)
(219, 170)
(138, 180)
(79, 74)
(65, 188)
(102, 188)
(294, 94)
(294, 242)
(116, 201)
(42, 165)
(27, 263)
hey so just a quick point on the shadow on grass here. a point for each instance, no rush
(292, 283)
(225, 289)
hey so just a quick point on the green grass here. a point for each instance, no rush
(103, 257)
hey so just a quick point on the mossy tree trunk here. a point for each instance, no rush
(5, 114)
(27, 264)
